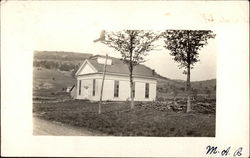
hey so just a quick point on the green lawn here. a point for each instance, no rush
(117, 119)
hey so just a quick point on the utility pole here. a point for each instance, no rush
(100, 39)
(103, 78)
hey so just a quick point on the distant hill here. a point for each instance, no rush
(59, 60)
(54, 70)
(60, 55)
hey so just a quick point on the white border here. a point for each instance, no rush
(232, 115)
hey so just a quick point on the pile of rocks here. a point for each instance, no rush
(204, 107)
(201, 106)
(161, 105)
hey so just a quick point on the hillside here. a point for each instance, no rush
(60, 55)
(53, 72)
(47, 82)
(64, 61)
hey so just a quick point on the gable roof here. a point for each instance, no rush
(82, 66)
(119, 67)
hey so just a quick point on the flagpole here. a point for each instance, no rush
(103, 78)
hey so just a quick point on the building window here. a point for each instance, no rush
(133, 90)
(147, 90)
(116, 89)
(93, 87)
(80, 87)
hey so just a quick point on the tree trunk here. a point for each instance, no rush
(188, 89)
(175, 103)
(131, 69)
(188, 76)
(131, 88)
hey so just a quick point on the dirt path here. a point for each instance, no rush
(45, 127)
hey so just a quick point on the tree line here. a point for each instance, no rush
(56, 65)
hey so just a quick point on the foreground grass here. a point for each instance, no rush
(117, 119)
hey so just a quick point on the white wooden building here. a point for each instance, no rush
(116, 84)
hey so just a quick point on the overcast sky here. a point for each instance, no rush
(72, 26)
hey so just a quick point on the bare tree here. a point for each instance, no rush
(184, 46)
(133, 45)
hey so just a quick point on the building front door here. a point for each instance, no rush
(86, 92)
(87, 89)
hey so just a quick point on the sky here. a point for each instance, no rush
(72, 26)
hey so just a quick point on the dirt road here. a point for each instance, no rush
(45, 127)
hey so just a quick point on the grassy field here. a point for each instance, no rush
(117, 119)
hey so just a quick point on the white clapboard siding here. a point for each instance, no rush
(108, 88)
